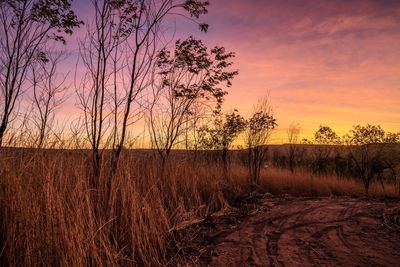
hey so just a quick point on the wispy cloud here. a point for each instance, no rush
(331, 62)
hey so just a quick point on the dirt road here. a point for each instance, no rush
(311, 232)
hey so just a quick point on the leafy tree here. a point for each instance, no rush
(190, 76)
(391, 158)
(327, 141)
(366, 146)
(26, 27)
(392, 138)
(222, 135)
(142, 30)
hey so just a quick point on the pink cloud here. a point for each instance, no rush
(331, 62)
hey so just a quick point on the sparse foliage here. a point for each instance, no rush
(143, 21)
(118, 53)
(259, 129)
(26, 26)
(192, 75)
(49, 92)
(366, 144)
(222, 134)
(326, 141)
(292, 150)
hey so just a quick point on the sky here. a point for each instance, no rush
(334, 63)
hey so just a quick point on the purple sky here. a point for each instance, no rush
(326, 62)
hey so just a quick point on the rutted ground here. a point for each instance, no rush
(310, 232)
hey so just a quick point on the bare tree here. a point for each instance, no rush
(25, 27)
(99, 52)
(20, 132)
(142, 28)
(49, 92)
(293, 139)
(259, 129)
(191, 76)
(118, 53)
(77, 138)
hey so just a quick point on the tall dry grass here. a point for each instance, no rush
(302, 182)
(279, 181)
(50, 217)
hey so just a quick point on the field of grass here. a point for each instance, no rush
(50, 216)
(279, 181)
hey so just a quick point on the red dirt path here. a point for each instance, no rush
(310, 232)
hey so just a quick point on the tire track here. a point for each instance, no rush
(312, 232)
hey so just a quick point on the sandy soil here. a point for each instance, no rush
(310, 232)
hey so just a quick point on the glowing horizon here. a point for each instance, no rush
(334, 63)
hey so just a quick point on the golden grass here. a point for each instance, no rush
(50, 217)
(302, 182)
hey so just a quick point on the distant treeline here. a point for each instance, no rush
(365, 153)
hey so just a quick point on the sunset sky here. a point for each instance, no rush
(335, 63)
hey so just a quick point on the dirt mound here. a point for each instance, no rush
(310, 232)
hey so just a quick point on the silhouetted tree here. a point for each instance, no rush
(292, 150)
(366, 144)
(189, 76)
(49, 92)
(118, 52)
(222, 134)
(143, 21)
(392, 138)
(259, 129)
(26, 26)
(390, 158)
(200, 114)
(326, 141)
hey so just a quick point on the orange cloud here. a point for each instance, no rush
(323, 62)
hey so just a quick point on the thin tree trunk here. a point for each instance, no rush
(94, 179)
(3, 128)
